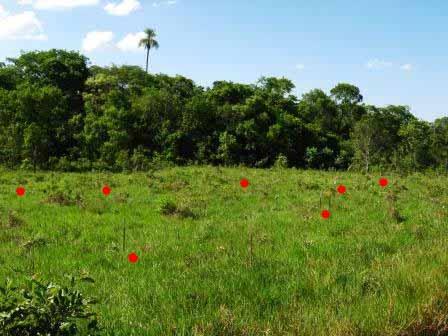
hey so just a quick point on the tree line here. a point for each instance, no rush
(59, 113)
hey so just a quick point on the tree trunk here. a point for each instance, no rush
(367, 160)
(147, 59)
(34, 159)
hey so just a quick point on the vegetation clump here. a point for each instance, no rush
(14, 220)
(168, 207)
(44, 308)
(64, 198)
(392, 200)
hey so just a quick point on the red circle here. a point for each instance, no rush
(20, 191)
(342, 189)
(326, 214)
(106, 190)
(133, 258)
(384, 182)
(244, 183)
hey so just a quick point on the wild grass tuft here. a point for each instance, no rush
(432, 320)
(14, 220)
(62, 198)
(168, 207)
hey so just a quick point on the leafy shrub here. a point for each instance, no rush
(82, 165)
(122, 161)
(63, 164)
(159, 162)
(39, 308)
(311, 156)
(228, 148)
(26, 164)
(281, 162)
(140, 160)
(316, 158)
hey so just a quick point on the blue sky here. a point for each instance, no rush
(395, 51)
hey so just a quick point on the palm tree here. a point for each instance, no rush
(149, 42)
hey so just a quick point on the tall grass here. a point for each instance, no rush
(217, 260)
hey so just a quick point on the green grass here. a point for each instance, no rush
(218, 260)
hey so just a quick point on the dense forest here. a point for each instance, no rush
(58, 112)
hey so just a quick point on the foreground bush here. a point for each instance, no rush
(40, 308)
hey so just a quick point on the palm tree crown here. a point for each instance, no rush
(149, 42)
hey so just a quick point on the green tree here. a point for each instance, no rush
(414, 151)
(57, 113)
(345, 93)
(65, 71)
(376, 137)
(366, 139)
(318, 109)
(108, 120)
(35, 141)
(41, 114)
(149, 42)
(348, 99)
(439, 142)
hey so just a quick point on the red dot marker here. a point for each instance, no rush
(20, 191)
(133, 258)
(106, 190)
(383, 182)
(244, 183)
(342, 189)
(326, 214)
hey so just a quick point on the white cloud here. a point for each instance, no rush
(164, 3)
(377, 64)
(23, 26)
(300, 66)
(105, 40)
(58, 4)
(24, 2)
(130, 42)
(122, 8)
(3, 11)
(97, 40)
(407, 67)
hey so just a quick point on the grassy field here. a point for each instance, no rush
(215, 259)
